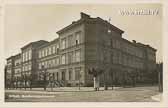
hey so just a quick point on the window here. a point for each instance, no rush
(70, 57)
(53, 49)
(77, 38)
(77, 55)
(43, 53)
(49, 51)
(111, 43)
(40, 54)
(53, 63)
(63, 75)
(63, 59)
(45, 64)
(70, 40)
(40, 65)
(70, 74)
(77, 73)
(63, 41)
(25, 56)
(112, 58)
(57, 76)
(57, 48)
(57, 61)
(30, 55)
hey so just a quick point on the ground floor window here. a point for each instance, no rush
(70, 74)
(77, 73)
(63, 75)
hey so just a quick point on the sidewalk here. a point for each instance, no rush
(60, 89)
(85, 94)
(157, 97)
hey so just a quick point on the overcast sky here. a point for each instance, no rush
(27, 23)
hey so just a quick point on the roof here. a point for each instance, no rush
(147, 46)
(49, 43)
(85, 17)
(40, 42)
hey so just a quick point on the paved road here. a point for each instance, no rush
(86, 94)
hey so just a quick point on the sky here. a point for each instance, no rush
(31, 22)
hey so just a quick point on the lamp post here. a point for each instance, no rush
(79, 80)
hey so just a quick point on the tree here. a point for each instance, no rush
(95, 73)
(44, 75)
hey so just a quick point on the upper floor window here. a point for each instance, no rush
(63, 43)
(77, 38)
(57, 48)
(39, 54)
(29, 54)
(111, 43)
(53, 49)
(63, 59)
(70, 57)
(45, 52)
(57, 61)
(70, 40)
(78, 55)
(49, 51)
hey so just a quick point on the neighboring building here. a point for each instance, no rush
(17, 66)
(48, 56)
(9, 71)
(85, 44)
(29, 56)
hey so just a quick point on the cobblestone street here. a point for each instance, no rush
(85, 94)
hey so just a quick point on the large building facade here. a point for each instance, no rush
(85, 44)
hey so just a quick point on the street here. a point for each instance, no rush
(85, 94)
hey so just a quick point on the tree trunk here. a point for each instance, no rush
(94, 79)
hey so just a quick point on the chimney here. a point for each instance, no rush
(134, 41)
(84, 16)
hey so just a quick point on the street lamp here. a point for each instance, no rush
(79, 80)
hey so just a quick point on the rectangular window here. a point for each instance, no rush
(70, 40)
(63, 43)
(57, 61)
(70, 57)
(77, 55)
(57, 76)
(63, 75)
(77, 73)
(30, 54)
(39, 54)
(49, 51)
(111, 43)
(25, 56)
(70, 74)
(77, 38)
(57, 48)
(53, 49)
(40, 65)
(42, 55)
(63, 59)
